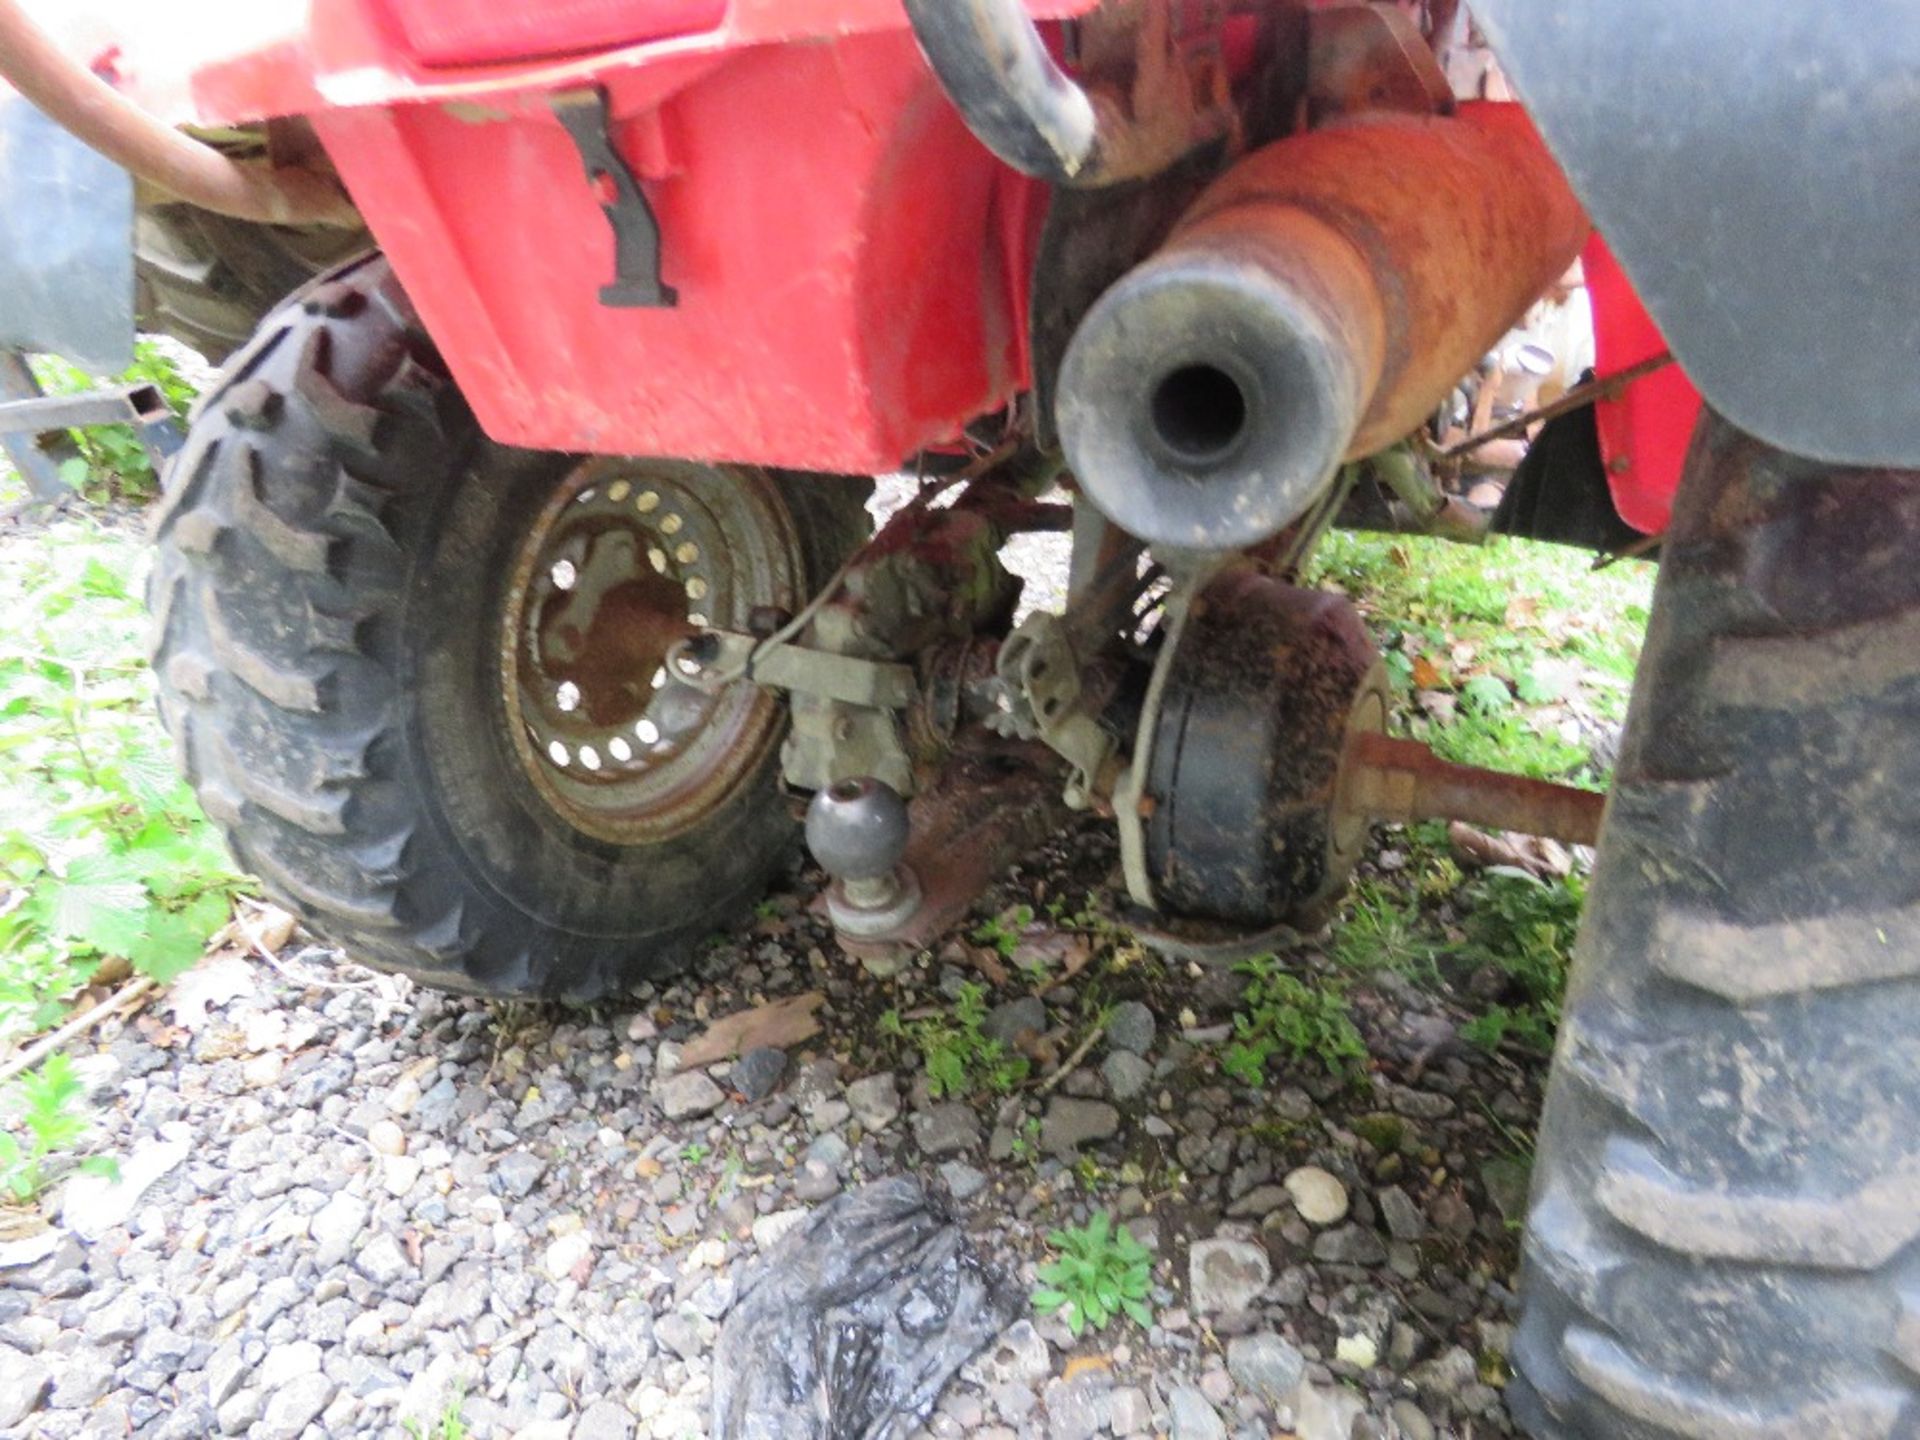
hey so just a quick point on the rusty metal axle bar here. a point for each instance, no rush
(1403, 780)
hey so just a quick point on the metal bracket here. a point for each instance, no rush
(1041, 675)
(636, 230)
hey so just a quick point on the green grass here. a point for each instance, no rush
(112, 461)
(1511, 656)
(48, 1106)
(448, 1426)
(1531, 645)
(1284, 1016)
(104, 854)
(1099, 1274)
(960, 1060)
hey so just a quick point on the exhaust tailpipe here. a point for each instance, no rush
(1314, 306)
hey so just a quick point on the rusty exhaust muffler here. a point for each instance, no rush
(1314, 306)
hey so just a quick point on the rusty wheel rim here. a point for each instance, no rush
(628, 558)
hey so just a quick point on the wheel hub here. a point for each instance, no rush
(626, 561)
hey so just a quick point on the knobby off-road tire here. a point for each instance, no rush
(327, 601)
(209, 281)
(1728, 1184)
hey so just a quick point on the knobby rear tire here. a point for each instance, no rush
(1727, 1188)
(327, 617)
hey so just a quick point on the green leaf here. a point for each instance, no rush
(1486, 695)
(1138, 1312)
(96, 898)
(170, 946)
(1048, 1300)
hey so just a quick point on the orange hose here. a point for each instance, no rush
(106, 120)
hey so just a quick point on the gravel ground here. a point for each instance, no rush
(371, 1202)
(350, 1207)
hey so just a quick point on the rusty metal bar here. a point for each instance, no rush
(96, 113)
(1603, 388)
(1403, 780)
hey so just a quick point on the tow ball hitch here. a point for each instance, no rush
(1258, 761)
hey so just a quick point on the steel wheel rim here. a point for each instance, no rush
(626, 558)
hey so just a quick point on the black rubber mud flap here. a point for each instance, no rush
(1727, 1194)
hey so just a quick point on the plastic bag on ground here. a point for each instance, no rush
(849, 1328)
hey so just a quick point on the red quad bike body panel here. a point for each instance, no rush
(851, 266)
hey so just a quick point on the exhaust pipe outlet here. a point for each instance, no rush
(1314, 306)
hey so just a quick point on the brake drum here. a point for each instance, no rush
(1246, 825)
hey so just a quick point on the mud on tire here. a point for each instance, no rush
(326, 623)
(1725, 1202)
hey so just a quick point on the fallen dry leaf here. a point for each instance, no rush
(1535, 854)
(780, 1024)
(158, 1033)
(216, 980)
(1426, 674)
(268, 927)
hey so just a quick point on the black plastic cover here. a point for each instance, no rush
(1754, 169)
(66, 244)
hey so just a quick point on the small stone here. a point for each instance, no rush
(398, 1174)
(518, 1171)
(263, 1070)
(1226, 1275)
(875, 1101)
(816, 1182)
(1126, 1074)
(336, 1227)
(296, 1405)
(121, 1318)
(1325, 1412)
(565, 1253)
(387, 1138)
(1018, 1358)
(1447, 1374)
(1452, 1214)
(1413, 1425)
(382, 1261)
(1128, 1412)
(688, 1094)
(1403, 1217)
(603, 1420)
(962, 1179)
(1259, 1202)
(287, 1362)
(770, 1230)
(1131, 1028)
(946, 1129)
(1267, 1366)
(1360, 1351)
(240, 1412)
(24, 1384)
(1350, 1245)
(1008, 1022)
(1073, 1410)
(758, 1073)
(1319, 1196)
(1193, 1417)
(81, 1378)
(827, 1115)
(680, 1335)
(1071, 1123)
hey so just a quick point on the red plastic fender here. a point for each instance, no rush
(1646, 428)
(850, 263)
